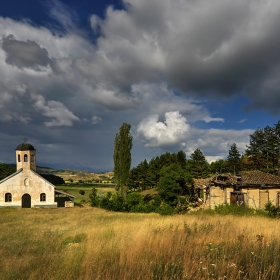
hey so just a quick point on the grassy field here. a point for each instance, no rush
(90, 243)
(74, 189)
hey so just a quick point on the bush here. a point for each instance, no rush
(117, 204)
(272, 210)
(132, 200)
(81, 192)
(165, 209)
(93, 197)
(233, 209)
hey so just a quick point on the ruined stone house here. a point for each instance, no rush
(249, 188)
(26, 188)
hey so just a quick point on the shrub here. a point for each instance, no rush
(272, 210)
(165, 209)
(81, 192)
(93, 197)
(132, 200)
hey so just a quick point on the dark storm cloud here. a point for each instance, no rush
(228, 47)
(151, 58)
(24, 54)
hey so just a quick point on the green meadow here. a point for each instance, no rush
(75, 190)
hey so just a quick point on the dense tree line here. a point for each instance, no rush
(172, 174)
(147, 175)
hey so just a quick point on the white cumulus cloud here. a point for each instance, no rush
(172, 131)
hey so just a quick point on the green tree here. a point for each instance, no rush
(218, 166)
(122, 158)
(255, 149)
(134, 179)
(172, 184)
(153, 173)
(271, 147)
(143, 175)
(197, 165)
(263, 149)
(234, 159)
(181, 159)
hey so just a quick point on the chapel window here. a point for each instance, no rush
(42, 197)
(8, 197)
(32, 158)
(18, 158)
(25, 158)
(26, 182)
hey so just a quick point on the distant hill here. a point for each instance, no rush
(56, 176)
(45, 170)
(70, 166)
(77, 176)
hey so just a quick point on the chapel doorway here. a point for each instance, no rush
(26, 201)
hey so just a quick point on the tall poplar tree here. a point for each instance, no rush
(122, 158)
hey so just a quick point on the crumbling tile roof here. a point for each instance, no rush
(257, 177)
(247, 178)
(201, 183)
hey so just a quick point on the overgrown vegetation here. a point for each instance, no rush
(109, 245)
(235, 210)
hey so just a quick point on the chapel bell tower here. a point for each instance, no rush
(26, 156)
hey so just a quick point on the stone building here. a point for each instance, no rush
(26, 188)
(249, 188)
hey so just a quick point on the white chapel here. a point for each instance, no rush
(26, 188)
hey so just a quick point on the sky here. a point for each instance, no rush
(184, 74)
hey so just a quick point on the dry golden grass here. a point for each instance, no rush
(90, 243)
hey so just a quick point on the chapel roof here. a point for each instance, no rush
(25, 147)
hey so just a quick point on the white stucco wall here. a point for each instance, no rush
(26, 182)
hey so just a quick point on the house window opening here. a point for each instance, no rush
(25, 158)
(42, 197)
(18, 158)
(237, 198)
(8, 197)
